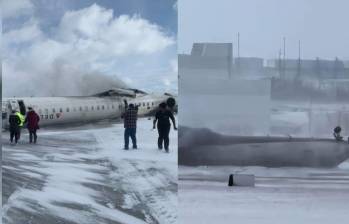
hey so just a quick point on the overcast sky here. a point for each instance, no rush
(134, 40)
(321, 25)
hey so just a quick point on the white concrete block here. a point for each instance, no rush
(243, 180)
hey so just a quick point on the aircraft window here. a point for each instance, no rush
(80, 108)
(102, 107)
(97, 107)
(60, 110)
(53, 110)
(67, 109)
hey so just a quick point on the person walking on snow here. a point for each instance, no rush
(20, 126)
(14, 123)
(162, 118)
(32, 121)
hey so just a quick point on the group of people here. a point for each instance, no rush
(17, 121)
(161, 121)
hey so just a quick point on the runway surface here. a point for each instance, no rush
(82, 175)
(281, 195)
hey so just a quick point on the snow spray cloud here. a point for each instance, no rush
(82, 54)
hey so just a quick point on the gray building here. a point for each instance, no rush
(217, 58)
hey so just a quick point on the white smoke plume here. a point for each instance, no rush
(89, 51)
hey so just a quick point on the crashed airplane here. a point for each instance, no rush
(83, 109)
(203, 147)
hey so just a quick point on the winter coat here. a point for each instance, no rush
(14, 122)
(32, 120)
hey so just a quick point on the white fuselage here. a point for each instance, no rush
(65, 110)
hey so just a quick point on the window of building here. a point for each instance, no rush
(67, 109)
(60, 110)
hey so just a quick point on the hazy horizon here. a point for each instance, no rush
(319, 25)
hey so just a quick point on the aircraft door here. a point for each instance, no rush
(22, 108)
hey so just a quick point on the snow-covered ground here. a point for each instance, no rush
(281, 195)
(284, 195)
(82, 175)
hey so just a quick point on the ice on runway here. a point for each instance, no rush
(82, 175)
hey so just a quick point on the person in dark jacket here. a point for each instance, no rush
(32, 120)
(337, 133)
(162, 118)
(130, 125)
(14, 123)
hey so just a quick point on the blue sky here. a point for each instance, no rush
(321, 25)
(133, 40)
(160, 12)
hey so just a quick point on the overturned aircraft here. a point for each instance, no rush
(83, 109)
(203, 147)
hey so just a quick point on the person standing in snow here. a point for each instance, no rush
(130, 125)
(162, 118)
(337, 133)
